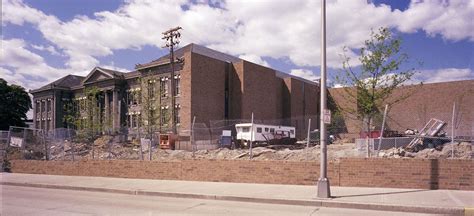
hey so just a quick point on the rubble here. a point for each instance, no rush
(107, 148)
(462, 150)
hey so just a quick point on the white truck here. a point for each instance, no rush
(264, 134)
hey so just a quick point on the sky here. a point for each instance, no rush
(44, 40)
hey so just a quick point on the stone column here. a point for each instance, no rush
(48, 114)
(107, 109)
(53, 112)
(115, 110)
(35, 122)
(41, 114)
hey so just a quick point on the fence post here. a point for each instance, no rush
(452, 130)
(251, 138)
(149, 147)
(24, 144)
(140, 142)
(309, 131)
(93, 147)
(192, 136)
(5, 159)
(383, 128)
(46, 152)
(63, 144)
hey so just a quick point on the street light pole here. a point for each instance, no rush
(323, 181)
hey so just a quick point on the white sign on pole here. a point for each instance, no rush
(327, 116)
(16, 142)
(145, 143)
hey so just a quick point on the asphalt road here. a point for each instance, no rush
(38, 201)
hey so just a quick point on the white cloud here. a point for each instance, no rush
(251, 29)
(306, 74)
(23, 67)
(453, 20)
(255, 59)
(50, 49)
(443, 75)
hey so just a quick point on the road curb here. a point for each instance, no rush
(314, 202)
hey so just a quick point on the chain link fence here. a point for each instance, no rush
(436, 136)
(431, 135)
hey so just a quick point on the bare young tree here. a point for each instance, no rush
(382, 70)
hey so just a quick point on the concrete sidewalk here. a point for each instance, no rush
(390, 199)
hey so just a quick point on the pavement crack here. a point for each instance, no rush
(194, 206)
(314, 211)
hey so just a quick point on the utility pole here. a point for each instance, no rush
(172, 37)
(323, 181)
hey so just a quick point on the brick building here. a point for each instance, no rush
(207, 84)
(433, 100)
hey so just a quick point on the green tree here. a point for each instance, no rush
(84, 114)
(14, 104)
(381, 72)
(152, 115)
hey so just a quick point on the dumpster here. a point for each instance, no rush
(226, 139)
(167, 141)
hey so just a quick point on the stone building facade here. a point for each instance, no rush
(207, 84)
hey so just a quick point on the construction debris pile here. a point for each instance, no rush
(463, 150)
(261, 153)
(105, 148)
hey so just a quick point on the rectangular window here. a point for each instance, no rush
(134, 121)
(177, 83)
(164, 87)
(37, 106)
(49, 105)
(177, 118)
(152, 117)
(272, 130)
(130, 97)
(138, 97)
(266, 130)
(139, 119)
(292, 131)
(83, 105)
(259, 130)
(151, 89)
(245, 129)
(163, 113)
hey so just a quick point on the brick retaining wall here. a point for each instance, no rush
(357, 172)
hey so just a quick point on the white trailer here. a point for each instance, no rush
(260, 133)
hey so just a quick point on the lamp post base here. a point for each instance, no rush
(323, 188)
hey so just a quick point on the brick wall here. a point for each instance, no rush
(424, 102)
(302, 101)
(185, 97)
(407, 173)
(260, 91)
(207, 88)
(356, 172)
